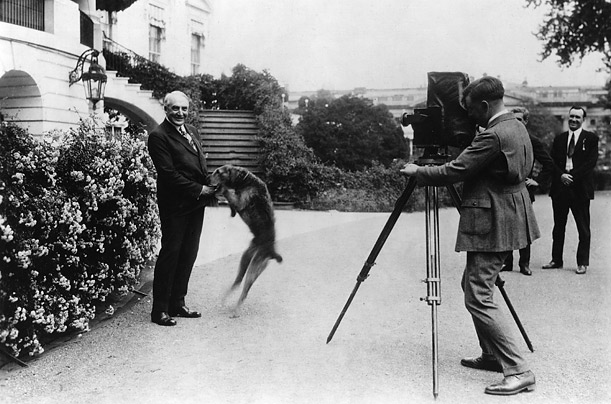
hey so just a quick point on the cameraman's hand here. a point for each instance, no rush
(531, 183)
(409, 169)
(567, 179)
(206, 190)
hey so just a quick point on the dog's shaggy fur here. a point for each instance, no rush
(248, 196)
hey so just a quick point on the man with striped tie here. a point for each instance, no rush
(575, 153)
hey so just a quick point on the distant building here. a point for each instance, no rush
(556, 100)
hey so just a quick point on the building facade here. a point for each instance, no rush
(42, 40)
(172, 33)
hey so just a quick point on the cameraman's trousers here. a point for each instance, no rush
(493, 331)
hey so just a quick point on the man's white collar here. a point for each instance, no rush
(504, 111)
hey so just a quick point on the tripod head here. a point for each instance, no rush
(433, 156)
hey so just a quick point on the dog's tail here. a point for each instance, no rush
(269, 250)
(276, 256)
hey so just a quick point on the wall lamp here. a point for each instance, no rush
(94, 80)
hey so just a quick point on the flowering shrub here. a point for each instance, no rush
(78, 222)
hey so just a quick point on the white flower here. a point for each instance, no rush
(18, 178)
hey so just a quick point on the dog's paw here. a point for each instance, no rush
(229, 292)
(236, 311)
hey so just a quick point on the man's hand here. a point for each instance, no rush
(531, 183)
(567, 179)
(409, 169)
(206, 190)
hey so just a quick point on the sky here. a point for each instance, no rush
(382, 44)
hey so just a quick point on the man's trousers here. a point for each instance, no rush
(180, 235)
(494, 334)
(580, 207)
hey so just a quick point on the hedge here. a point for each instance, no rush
(78, 223)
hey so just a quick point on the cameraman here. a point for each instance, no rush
(496, 218)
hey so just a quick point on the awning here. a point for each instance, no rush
(113, 5)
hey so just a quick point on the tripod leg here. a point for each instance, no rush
(433, 272)
(455, 197)
(500, 284)
(390, 223)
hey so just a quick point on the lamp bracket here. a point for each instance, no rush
(75, 75)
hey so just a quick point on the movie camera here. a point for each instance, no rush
(444, 121)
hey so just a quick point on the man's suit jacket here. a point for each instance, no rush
(496, 212)
(547, 165)
(584, 161)
(181, 170)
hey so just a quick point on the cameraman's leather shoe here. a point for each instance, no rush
(482, 363)
(581, 269)
(552, 265)
(513, 384)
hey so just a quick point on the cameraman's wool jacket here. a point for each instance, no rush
(496, 211)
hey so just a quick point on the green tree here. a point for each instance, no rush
(542, 124)
(350, 132)
(246, 89)
(575, 28)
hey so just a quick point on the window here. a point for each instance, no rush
(154, 44)
(156, 32)
(27, 13)
(196, 46)
(86, 30)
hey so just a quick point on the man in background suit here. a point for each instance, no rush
(182, 194)
(496, 217)
(575, 153)
(547, 167)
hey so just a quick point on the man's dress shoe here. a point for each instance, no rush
(162, 318)
(581, 269)
(513, 384)
(184, 311)
(506, 268)
(482, 363)
(552, 265)
(524, 269)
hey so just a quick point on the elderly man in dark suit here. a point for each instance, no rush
(182, 194)
(575, 153)
(496, 218)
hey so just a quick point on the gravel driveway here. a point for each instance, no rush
(275, 352)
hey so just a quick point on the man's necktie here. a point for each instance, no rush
(571, 149)
(184, 133)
